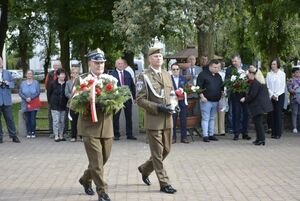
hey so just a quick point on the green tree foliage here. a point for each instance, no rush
(273, 28)
(255, 29)
(24, 25)
(86, 24)
(138, 22)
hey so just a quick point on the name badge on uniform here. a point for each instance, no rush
(139, 85)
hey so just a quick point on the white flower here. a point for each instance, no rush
(242, 76)
(110, 79)
(99, 83)
(86, 79)
(194, 88)
(233, 78)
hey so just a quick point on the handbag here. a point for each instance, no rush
(34, 104)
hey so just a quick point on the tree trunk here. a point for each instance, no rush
(64, 40)
(205, 44)
(82, 52)
(129, 57)
(48, 43)
(3, 24)
(23, 48)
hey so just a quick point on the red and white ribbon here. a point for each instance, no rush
(93, 103)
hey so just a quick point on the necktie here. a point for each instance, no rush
(54, 75)
(122, 78)
(192, 72)
(159, 75)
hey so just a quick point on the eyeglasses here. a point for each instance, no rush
(174, 69)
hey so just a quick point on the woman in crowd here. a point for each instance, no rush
(58, 104)
(69, 92)
(29, 90)
(294, 89)
(258, 102)
(276, 83)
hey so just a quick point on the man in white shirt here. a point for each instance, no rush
(129, 69)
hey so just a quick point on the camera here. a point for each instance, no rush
(3, 85)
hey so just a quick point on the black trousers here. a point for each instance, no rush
(182, 115)
(259, 128)
(239, 115)
(277, 116)
(74, 121)
(128, 117)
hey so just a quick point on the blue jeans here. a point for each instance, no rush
(58, 118)
(9, 119)
(208, 113)
(30, 121)
(295, 111)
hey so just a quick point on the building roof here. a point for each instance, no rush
(185, 53)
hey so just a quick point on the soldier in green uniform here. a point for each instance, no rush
(154, 87)
(97, 137)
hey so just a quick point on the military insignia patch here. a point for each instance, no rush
(139, 85)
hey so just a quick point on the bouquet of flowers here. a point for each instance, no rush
(191, 89)
(238, 82)
(103, 93)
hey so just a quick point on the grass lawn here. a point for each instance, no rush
(41, 123)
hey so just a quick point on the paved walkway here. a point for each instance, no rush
(43, 170)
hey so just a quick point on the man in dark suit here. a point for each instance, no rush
(6, 84)
(239, 110)
(191, 73)
(124, 78)
(179, 82)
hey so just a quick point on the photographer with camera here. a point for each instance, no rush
(6, 84)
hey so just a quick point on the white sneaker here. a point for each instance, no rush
(295, 130)
(28, 136)
(33, 136)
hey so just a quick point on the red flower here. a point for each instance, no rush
(82, 86)
(179, 93)
(91, 82)
(98, 91)
(249, 81)
(108, 87)
(237, 85)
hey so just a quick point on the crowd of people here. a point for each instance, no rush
(265, 97)
(154, 91)
(212, 105)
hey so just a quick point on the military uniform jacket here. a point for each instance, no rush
(151, 91)
(101, 129)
